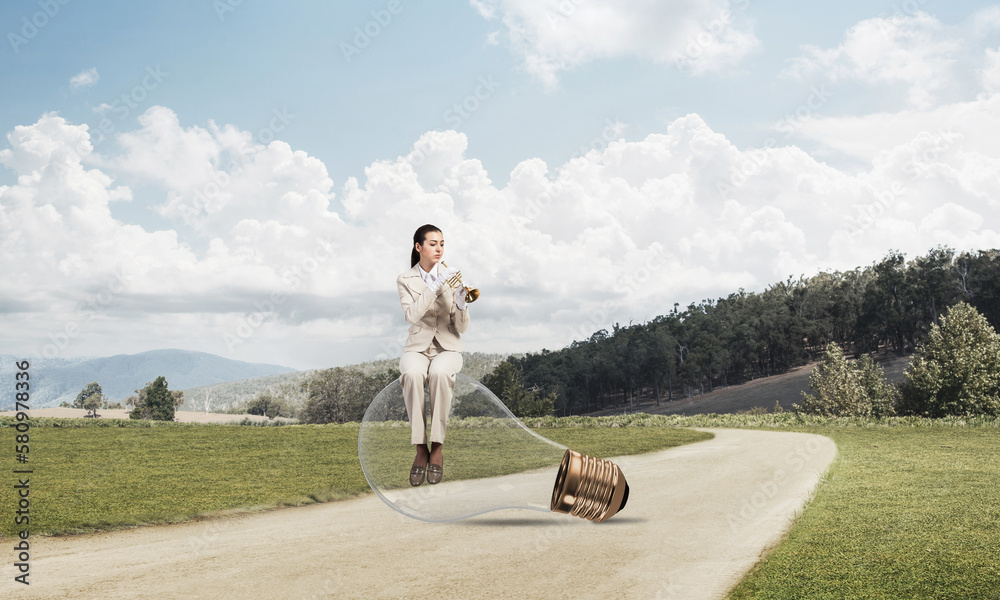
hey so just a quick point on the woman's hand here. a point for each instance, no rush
(436, 284)
(447, 273)
(460, 298)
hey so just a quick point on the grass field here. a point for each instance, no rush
(904, 513)
(98, 477)
(909, 509)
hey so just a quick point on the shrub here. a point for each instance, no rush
(844, 389)
(956, 370)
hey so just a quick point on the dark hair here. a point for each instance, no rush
(418, 238)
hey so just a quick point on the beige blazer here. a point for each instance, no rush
(430, 314)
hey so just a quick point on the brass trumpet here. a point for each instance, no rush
(455, 281)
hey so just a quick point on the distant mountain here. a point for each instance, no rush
(60, 379)
(291, 387)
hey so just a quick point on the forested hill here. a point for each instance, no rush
(888, 307)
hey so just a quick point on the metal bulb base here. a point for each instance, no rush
(590, 488)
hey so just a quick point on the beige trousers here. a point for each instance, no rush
(438, 367)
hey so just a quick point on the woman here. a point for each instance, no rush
(437, 315)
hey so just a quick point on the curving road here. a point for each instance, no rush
(698, 517)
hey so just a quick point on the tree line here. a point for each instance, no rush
(889, 306)
(155, 401)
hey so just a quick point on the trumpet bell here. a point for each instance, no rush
(455, 281)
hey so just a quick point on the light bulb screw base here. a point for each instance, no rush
(590, 488)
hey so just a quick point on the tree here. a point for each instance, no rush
(91, 404)
(882, 395)
(155, 401)
(507, 383)
(91, 397)
(845, 389)
(341, 395)
(956, 370)
(267, 405)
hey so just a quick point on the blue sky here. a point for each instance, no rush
(563, 142)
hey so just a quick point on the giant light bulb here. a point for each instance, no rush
(491, 462)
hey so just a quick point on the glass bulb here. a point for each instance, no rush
(491, 462)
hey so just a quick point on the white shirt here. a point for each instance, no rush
(432, 277)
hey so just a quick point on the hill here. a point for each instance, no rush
(56, 380)
(221, 397)
(785, 389)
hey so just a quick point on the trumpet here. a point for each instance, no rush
(455, 281)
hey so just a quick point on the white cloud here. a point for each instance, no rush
(917, 51)
(975, 122)
(84, 79)
(560, 251)
(990, 74)
(553, 36)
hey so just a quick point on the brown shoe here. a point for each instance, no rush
(435, 473)
(417, 474)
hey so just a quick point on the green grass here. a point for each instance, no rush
(909, 509)
(98, 477)
(904, 513)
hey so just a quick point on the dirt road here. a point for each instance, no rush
(697, 518)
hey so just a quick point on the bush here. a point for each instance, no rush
(265, 404)
(956, 370)
(341, 395)
(844, 389)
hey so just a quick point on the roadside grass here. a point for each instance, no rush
(904, 512)
(101, 477)
(909, 509)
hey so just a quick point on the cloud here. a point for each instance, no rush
(84, 79)
(917, 51)
(619, 233)
(977, 122)
(551, 37)
(990, 74)
(933, 62)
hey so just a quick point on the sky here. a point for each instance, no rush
(244, 178)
